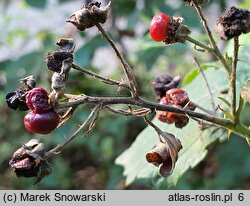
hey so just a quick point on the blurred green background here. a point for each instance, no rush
(29, 29)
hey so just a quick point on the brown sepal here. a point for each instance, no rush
(165, 154)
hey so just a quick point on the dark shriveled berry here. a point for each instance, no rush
(55, 59)
(164, 83)
(16, 100)
(233, 22)
(38, 101)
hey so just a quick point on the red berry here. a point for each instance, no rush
(163, 115)
(178, 96)
(42, 123)
(159, 27)
(176, 117)
(37, 100)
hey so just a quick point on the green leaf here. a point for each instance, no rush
(227, 114)
(190, 76)
(194, 141)
(228, 59)
(224, 101)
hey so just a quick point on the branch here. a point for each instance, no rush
(233, 76)
(138, 112)
(138, 101)
(215, 48)
(126, 68)
(92, 115)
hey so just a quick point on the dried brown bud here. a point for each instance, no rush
(233, 22)
(28, 82)
(66, 45)
(165, 154)
(58, 80)
(89, 15)
(54, 60)
(28, 160)
(177, 31)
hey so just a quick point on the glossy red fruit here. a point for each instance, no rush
(159, 27)
(38, 101)
(42, 123)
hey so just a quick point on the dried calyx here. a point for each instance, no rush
(89, 15)
(165, 154)
(54, 60)
(233, 22)
(60, 63)
(177, 32)
(28, 161)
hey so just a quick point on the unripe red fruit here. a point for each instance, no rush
(37, 100)
(159, 27)
(42, 123)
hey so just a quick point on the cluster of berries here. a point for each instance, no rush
(42, 119)
(167, 93)
(177, 98)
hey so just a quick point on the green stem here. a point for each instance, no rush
(241, 104)
(242, 131)
(233, 77)
(215, 48)
(200, 44)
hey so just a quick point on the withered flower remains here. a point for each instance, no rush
(89, 15)
(233, 22)
(165, 154)
(28, 160)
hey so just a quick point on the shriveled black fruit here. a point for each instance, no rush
(54, 60)
(233, 22)
(16, 100)
(164, 83)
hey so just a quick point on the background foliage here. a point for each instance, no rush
(29, 29)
